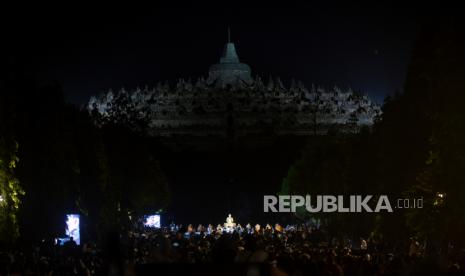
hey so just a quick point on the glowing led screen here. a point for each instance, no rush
(72, 227)
(152, 221)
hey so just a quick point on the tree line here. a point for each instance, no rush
(415, 149)
(55, 161)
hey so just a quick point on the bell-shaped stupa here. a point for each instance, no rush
(230, 71)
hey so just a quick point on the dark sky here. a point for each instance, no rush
(89, 50)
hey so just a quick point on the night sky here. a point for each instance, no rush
(90, 50)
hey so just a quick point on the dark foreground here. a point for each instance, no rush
(269, 251)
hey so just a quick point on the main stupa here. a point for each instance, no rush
(230, 71)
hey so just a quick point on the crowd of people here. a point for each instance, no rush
(228, 250)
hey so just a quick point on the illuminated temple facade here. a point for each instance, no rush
(230, 102)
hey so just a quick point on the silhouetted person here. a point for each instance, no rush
(70, 247)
